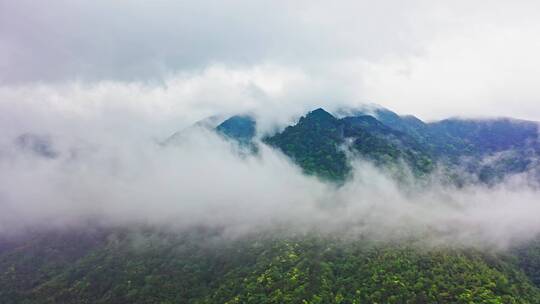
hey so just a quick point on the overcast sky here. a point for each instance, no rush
(431, 58)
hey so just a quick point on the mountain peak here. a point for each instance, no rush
(319, 114)
(239, 127)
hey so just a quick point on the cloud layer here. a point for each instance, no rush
(432, 58)
(111, 170)
(106, 82)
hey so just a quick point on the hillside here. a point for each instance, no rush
(319, 144)
(145, 266)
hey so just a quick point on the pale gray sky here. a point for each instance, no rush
(430, 58)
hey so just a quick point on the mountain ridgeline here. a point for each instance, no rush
(324, 145)
(319, 143)
(239, 127)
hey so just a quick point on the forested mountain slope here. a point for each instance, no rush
(489, 149)
(319, 144)
(145, 266)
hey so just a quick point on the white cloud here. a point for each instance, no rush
(111, 171)
(108, 80)
(479, 72)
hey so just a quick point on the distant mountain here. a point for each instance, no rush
(408, 124)
(324, 144)
(486, 136)
(386, 146)
(209, 123)
(464, 136)
(469, 143)
(241, 128)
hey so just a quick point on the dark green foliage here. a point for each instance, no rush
(528, 259)
(314, 143)
(26, 265)
(201, 267)
(488, 150)
(318, 143)
(386, 146)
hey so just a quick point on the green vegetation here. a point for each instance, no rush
(201, 267)
(319, 141)
(314, 143)
(528, 259)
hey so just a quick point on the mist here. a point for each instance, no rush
(109, 168)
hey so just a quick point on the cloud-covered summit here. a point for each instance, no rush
(109, 170)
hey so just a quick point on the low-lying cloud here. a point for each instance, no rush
(110, 169)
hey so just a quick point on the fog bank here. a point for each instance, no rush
(117, 178)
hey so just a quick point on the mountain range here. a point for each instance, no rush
(323, 144)
(149, 265)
